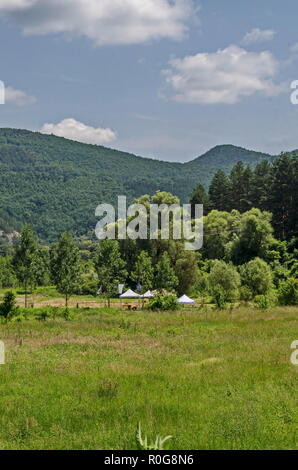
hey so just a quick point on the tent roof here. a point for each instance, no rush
(184, 300)
(130, 294)
(147, 295)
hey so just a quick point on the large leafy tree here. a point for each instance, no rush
(165, 274)
(254, 237)
(143, 272)
(186, 269)
(219, 230)
(110, 267)
(66, 266)
(257, 277)
(226, 277)
(25, 259)
(7, 274)
(41, 266)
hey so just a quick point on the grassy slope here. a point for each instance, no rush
(213, 381)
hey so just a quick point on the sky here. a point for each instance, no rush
(165, 79)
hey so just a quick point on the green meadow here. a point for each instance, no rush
(212, 380)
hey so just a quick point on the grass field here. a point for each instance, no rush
(212, 380)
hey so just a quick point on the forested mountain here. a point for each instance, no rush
(55, 184)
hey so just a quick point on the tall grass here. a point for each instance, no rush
(212, 380)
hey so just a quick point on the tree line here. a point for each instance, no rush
(244, 255)
(269, 187)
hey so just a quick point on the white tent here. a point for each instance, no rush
(130, 294)
(184, 300)
(147, 295)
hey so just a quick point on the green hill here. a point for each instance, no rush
(55, 184)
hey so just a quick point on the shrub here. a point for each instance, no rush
(163, 303)
(68, 315)
(265, 301)
(18, 318)
(257, 276)
(288, 292)
(8, 308)
(43, 315)
(88, 288)
(226, 277)
(219, 297)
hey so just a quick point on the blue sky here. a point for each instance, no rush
(158, 78)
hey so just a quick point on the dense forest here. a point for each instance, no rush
(249, 253)
(55, 184)
(269, 187)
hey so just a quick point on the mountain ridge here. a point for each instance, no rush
(55, 184)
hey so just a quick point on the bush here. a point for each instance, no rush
(18, 318)
(265, 301)
(288, 292)
(43, 315)
(68, 315)
(257, 276)
(8, 308)
(219, 297)
(163, 303)
(90, 287)
(226, 277)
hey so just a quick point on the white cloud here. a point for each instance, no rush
(258, 35)
(18, 97)
(103, 21)
(75, 130)
(294, 48)
(225, 76)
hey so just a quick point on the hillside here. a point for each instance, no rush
(55, 184)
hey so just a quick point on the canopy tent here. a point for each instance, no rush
(147, 295)
(130, 294)
(184, 300)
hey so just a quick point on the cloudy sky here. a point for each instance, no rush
(167, 79)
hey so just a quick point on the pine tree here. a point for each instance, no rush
(219, 192)
(200, 197)
(294, 208)
(240, 179)
(261, 184)
(283, 200)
